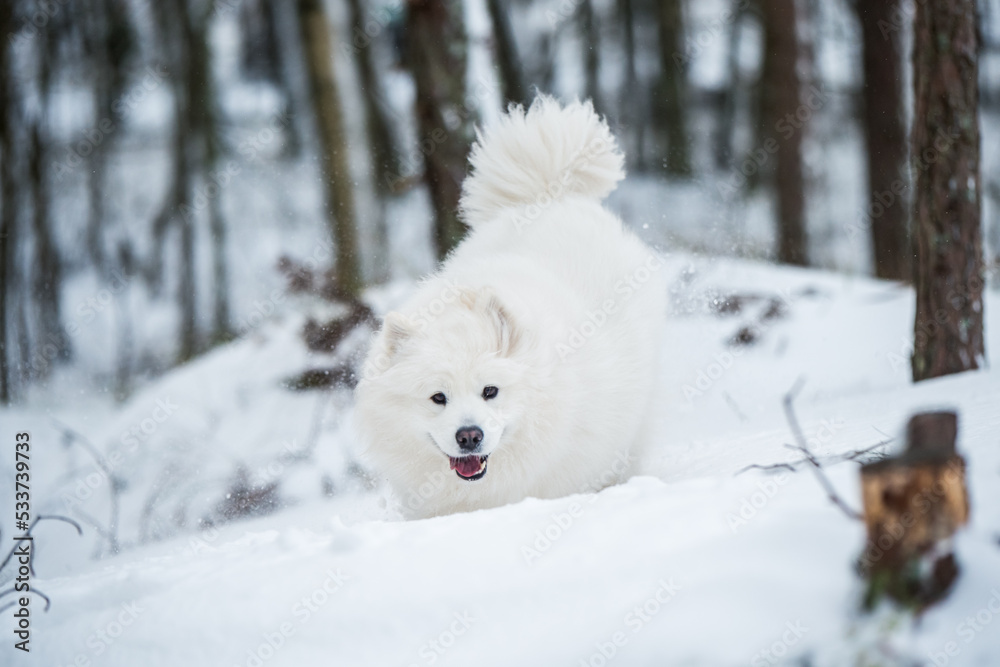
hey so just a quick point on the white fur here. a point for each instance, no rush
(549, 299)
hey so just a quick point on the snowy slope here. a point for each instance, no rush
(692, 564)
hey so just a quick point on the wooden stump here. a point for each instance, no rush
(913, 504)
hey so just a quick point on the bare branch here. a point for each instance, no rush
(801, 445)
(773, 466)
(114, 483)
(48, 602)
(734, 407)
(40, 517)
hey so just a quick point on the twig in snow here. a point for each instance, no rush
(115, 484)
(31, 553)
(736, 408)
(31, 557)
(48, 602)
(856, 454)
(801, 445)
(791, 465)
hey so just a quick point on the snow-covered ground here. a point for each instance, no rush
(695, 563)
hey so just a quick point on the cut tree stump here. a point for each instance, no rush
(913, 503)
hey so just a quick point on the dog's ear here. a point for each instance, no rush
(509, 331)
(396, 328)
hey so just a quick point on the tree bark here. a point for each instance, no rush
(781, 89)
(671, 111)
(948, 330)
(511, 76)
(885, 137)
(913, 503)
(437, 50)
(337, 183)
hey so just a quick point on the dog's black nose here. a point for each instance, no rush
(469, 437)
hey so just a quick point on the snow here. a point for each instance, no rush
(689, 564)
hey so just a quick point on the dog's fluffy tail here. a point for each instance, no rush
(540, 155)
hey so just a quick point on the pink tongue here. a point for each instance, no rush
(466, 466)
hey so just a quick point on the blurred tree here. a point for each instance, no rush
(591, 53)
(46, 266)
(723, 135)
(335, 166)
(293, 79)
(632, 110)
(184, 216)
(260, 49)
(384, 154)
(670, 108)
(438, 49)
(885, 136)
(184, 41)
(385, 160)
(109, 43)
(8, 191)
(511, 76)
(948, 329)
(782, 101)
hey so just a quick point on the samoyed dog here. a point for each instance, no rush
(526, 365)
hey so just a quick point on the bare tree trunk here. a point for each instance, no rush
(179, 35)
(632, 107)
(386, 166)
(437, 49)
(591, 53)
(384, 154)
(885, 137)
(123, 365)
(201, 100)
(8, 191)
(671, 110)
(948, 331)
(195, 151)
(511, 76)
(293, 80)
(723, 136)
(260, 53)
(171, 36)
(333, 143)
(221, 329)
(186, 290)
(47, 267)
(782, 101)
(111, 41)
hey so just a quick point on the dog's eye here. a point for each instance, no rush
(439, 398)
(490, 392)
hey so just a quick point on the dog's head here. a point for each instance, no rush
(449, 380)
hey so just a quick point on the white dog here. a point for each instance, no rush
(526, 365)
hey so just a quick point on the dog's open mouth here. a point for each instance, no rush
(469, 467)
